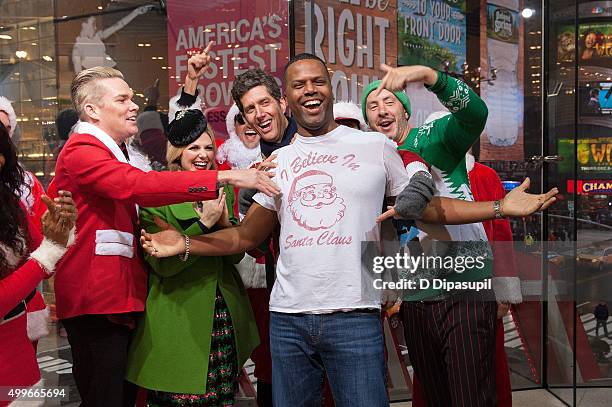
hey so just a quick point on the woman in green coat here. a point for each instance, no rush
(198, 327)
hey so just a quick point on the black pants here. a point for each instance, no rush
(603, 323)
(451, 344)
(99, 356)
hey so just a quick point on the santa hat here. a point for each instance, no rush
(350, 111)
(436, 115)
(233, 149)
(6, 107)
(230, 121)
(309, 178)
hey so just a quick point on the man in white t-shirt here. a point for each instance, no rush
(324, 308)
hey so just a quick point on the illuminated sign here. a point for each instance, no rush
(594, 154)
(590, 187)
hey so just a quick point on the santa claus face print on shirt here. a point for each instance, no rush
(314, 202)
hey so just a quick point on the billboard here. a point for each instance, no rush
(430, 32)
(590, 187)
(502, 51)
(594, 44)
(353, 37)
(246, 35)
(594, 154)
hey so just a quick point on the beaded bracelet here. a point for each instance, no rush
(187, 244)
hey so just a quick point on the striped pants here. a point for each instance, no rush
(451, 344)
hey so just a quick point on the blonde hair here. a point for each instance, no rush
(85, 89)
(173, 154)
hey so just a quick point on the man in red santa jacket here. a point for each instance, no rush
(101, 283)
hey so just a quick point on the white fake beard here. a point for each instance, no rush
(237, 154)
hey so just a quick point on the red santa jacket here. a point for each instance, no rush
(486, 186)
(102, 273)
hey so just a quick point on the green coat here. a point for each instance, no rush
(171, 344)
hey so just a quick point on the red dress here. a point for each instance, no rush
(18, 365)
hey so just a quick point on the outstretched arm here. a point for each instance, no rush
(449, 211)
(258, 224)
(104, 34)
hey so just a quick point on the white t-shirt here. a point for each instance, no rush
(332, 189)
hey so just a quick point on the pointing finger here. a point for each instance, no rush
(208, 47)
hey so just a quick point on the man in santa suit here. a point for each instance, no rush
(241, 149)
(101, 283)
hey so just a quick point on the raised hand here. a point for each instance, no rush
(396, 79)
(168, 242)
(59, 218)
(519, 202)
(211, 211)
(198, 62)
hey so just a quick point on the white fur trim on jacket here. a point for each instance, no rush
(414, 167)
(48, 254)
(175, 107)
(469, 162)
(38, 324)
(253, 274)
(137, 158)
(6, 106)
(349, 110)
(507, 289)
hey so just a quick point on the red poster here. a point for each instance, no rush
(247, 34)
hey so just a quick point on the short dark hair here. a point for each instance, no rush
(301, 57)
(251, 79)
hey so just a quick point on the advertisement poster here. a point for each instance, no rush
(501, 51)
(594, 44)
(594, 155)
(430, 32)
(502, 24)
(246, 35)
(354, 37)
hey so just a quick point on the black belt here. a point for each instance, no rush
(21, 307)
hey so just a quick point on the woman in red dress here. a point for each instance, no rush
(21, 267)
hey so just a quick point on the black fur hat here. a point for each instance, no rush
(187, 127)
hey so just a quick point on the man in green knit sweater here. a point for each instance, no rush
(450, 335)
